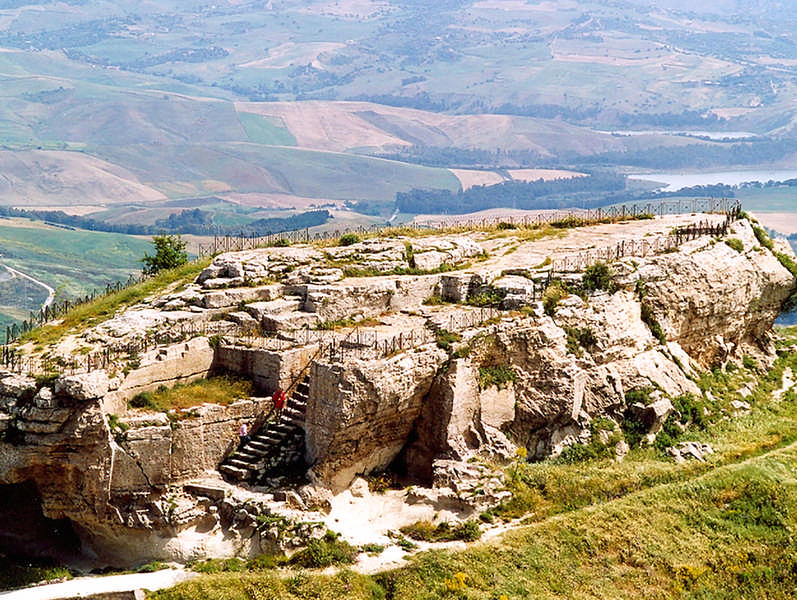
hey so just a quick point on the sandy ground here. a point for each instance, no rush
(86, 586)
(470, 177)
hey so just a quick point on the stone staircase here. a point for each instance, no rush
(277, 448)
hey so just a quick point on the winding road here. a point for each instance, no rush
(50, 290)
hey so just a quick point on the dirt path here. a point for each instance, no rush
(87, 586)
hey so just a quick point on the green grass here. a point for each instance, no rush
(105, 307)
(443, 531)
(73, 262)
(15, 576)
(725, 534)
(269, 131)
(214, 390)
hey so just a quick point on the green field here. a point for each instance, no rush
(74, 262)
(266, 130)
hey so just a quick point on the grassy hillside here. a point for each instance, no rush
(194, 170)
(73, 262)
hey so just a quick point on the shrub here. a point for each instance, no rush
(381, 481)
(442, 532)
(761, 502)
(788, 262)
(374, 549)
(692, 410)
(736, 244)
(282, 242)
(495, 375)
(169, 254)
(488, 296)
(347, 239)
(325, 552)
(598, 277)
(551, 297)
(445, 338)
(435, 300)
(503, 225)
(579, 337)
(575, 454)
(763, 237)
(219, 565)
(650, 320)
(142, 400)
(641, 395)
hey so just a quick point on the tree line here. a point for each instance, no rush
(515, 194)
(196, 222)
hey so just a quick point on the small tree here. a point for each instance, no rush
(169, 253)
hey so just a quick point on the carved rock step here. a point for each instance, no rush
(234, 472)
(292, 412)
(258, 446)
(268, 439)
(239, 463)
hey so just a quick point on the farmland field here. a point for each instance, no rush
(74, 262)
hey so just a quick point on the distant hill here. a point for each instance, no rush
(297, 105)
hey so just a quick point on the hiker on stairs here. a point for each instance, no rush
(243, 434)
(279, 400)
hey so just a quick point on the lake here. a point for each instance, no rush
(711, 135)
(672, 182)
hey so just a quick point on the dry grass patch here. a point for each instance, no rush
(222, 390)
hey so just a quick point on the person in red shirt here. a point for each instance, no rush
(279, 399)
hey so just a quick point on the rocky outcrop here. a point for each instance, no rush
(360, 414)
(306, 265)
(533, 378)
(714, 301)
(113, 479)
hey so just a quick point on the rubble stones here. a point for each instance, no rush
(689, 450)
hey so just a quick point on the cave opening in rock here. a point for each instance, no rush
(413, 464)
(27, 535)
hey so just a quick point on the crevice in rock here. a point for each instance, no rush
(135, 460)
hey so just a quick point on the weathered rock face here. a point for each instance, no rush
(115, 483)
(458, 420)
(303, 265)
(360, 414)
(717, 302)
(65, 450)
(579, 363)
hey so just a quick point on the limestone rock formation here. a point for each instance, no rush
(397, 378)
